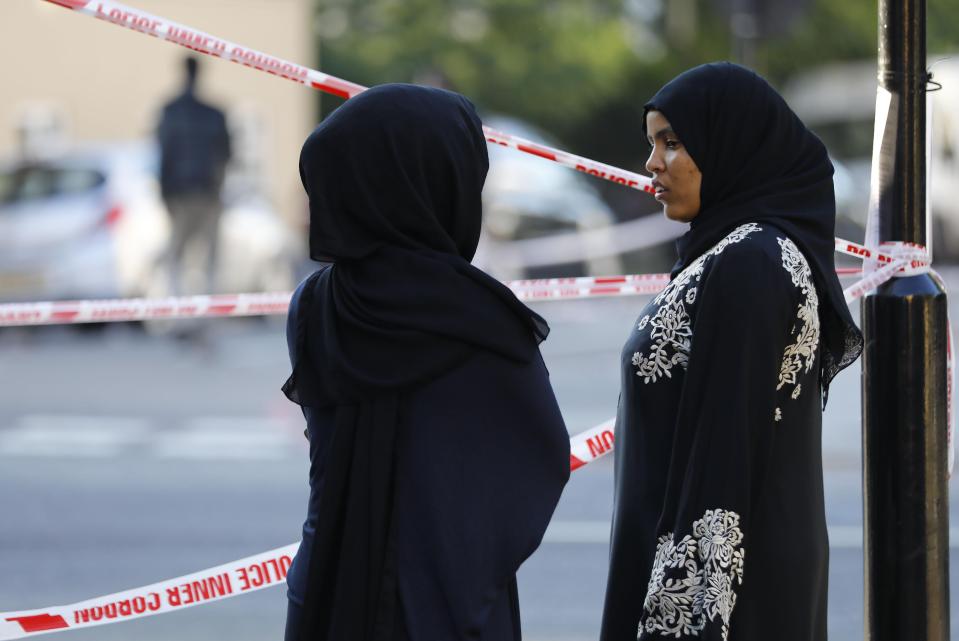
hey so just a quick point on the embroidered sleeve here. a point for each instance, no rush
(692, 581)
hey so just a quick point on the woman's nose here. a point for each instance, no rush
(654, 164)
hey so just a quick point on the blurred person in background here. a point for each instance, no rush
(719, 525)
(194, 151)
(437, 450)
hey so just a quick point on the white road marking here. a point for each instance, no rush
(597, 533)
(72, 436)
(225, 438)
(198, 438)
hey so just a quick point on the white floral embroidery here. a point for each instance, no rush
(692, 581)
(778, 415)
(800, 356)
(671, 324)
(673, 599)
(643, 321)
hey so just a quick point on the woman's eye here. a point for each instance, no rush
(672, 144)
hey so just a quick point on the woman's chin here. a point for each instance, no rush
(672, 214)
(678, 215)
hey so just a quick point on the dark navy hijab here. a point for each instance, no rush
(394, 178)
(760, 163)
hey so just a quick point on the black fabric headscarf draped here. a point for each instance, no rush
(760, 163)
(394, 178)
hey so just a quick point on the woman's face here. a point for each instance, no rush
(676, 177)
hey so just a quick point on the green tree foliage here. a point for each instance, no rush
(552, 62)
(581, 69)
(942, 26)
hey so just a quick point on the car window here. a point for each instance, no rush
(33, 183)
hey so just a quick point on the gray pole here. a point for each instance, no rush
(904, 375)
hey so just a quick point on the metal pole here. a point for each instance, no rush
(905, 493)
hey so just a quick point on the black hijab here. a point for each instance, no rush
(394, 178)
(760, 163)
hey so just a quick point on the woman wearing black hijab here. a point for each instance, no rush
(437, 449)
(719, 526)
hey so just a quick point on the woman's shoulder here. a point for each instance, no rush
(310, 281)
(300, 300)
(754, 246)
(756, 257)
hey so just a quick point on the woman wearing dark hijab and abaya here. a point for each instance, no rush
(719, 528)
(437, 450)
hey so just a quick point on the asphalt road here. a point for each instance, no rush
(126, 459)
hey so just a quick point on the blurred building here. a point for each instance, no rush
(69, 78)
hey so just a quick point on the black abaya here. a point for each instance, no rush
(437, 450)
(719, 530)
(719, 524)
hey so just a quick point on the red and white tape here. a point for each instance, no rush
(894, 260)
(134, 309)
(275, 303)
(147, 23)
(889, 252)
(589, 287)
(248, 574)
(594, 443)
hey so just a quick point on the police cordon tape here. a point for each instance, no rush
(897, 259)
(221, 582)
(248, 574)
(204, 305)
(195, 40)
(134, 309)
(274, 303)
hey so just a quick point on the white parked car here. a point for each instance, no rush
(90, 224)
(526, 197)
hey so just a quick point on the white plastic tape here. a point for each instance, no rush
(249, 574)
(274, 303)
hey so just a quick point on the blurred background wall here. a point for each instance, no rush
(93, 81)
